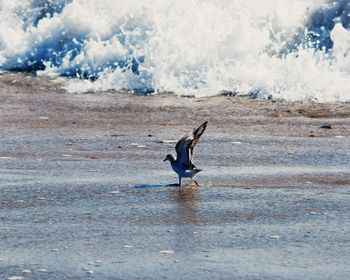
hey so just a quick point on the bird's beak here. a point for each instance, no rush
(165, 159)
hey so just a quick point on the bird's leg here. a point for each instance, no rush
(179, 181)
(195, 182)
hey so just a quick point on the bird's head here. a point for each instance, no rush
(169, 157)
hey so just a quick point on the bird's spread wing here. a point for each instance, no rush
(184, 148)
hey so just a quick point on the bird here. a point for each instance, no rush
(183, 163)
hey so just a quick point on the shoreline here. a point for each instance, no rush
(37, 97)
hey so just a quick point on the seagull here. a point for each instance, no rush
(183, 163)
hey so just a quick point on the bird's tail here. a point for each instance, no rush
(196, 170)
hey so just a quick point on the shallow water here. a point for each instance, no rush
(68, 212)
(206, 232)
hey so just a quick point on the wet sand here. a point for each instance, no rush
(84, 192)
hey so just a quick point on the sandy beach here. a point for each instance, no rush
(85, 192)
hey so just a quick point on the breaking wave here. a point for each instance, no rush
(296, 50)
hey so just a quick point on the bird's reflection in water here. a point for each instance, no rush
(186, 219)
(186, 198)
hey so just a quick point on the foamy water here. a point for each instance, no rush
(291, 49)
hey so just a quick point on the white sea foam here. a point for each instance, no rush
(297, 50)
